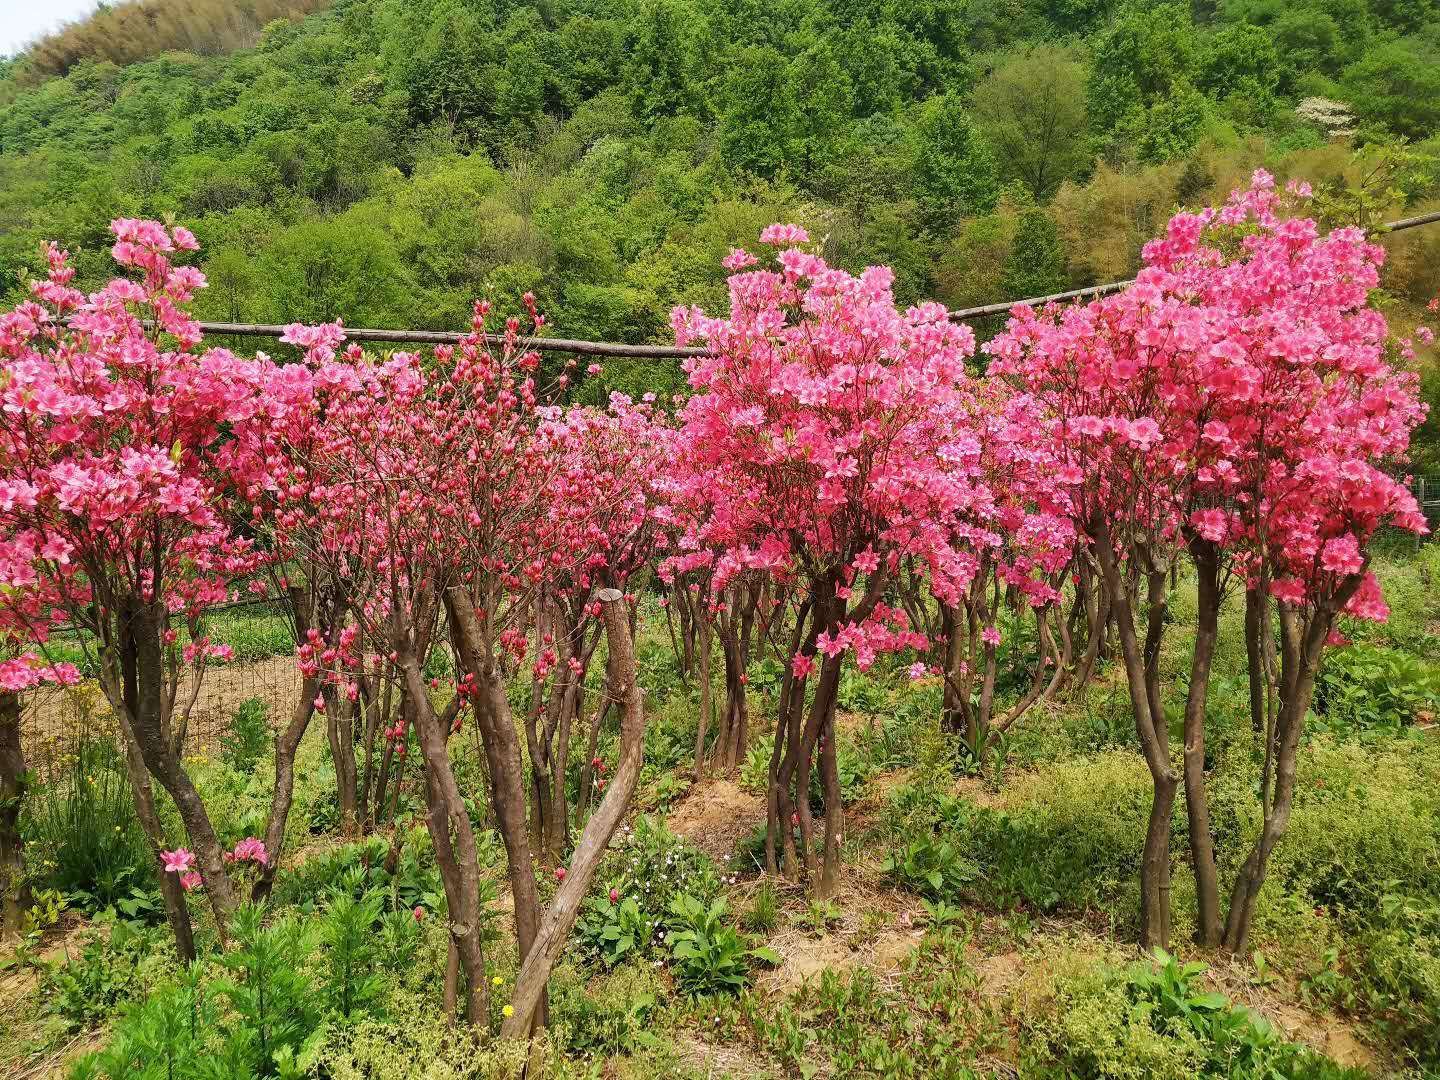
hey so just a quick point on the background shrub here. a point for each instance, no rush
(86, 840)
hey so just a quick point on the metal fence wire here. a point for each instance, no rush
(1427, 494)
(56, 721)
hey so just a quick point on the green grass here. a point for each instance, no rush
(255, 633)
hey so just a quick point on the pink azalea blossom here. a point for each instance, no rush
(178, 861)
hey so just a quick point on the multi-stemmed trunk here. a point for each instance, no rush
(703, 639)
(794, 775)
(451, 833)
(377, 697)
(793, 755)
(120, 684)
(1093, 603)
(970, 665)
(142, 791)
(587, 767)
(1302, 644)
(538, 960)
(1280, 724)
(797, 733)
(146, 624)
(504, 766)
(1142, 677)
(308, 607)
(339, 732)
(551, 718)
(779, 834)
(732, 631)
(14, 888)
(1202, 844)
(287, 745)
(678, 608)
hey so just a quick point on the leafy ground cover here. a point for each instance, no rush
(983, 926)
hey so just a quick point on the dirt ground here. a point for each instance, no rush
(715, 815)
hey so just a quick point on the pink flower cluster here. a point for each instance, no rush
(249, 850)
(1239, 394)
(835, 438)
(182, 862)
(123, 448)
(27, 671)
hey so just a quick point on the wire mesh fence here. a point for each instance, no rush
(1427, 494)
(55, 722)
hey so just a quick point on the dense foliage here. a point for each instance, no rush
(473, 550)
(388, 161)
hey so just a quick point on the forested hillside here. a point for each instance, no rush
(388, 160)
(866, 698)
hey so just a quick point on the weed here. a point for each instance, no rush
(88, 988)
(86, 841)
(763, 915)
(710, 957)
(248, 737)
(1366, 687)
(930, 866)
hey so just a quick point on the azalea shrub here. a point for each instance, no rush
(460, 548)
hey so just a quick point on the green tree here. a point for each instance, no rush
(1239, 59)
(822, 94)
(234, 291)
(520, 90)
(1036, 263)
(760, 112)
(1397, 86)
(955, 170)
(1031, 109)
(878, 80)
(1171, 127)
(969, 268)
(1138, 59)
(1314, 35)
(446, 59)
(662, 56)
(329, 268)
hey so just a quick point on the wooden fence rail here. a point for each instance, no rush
(673, 352)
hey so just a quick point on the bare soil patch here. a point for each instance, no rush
(1333, 1035)
(715, 815)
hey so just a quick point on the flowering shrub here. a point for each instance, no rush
(837, 487)
(1237, 405)
(813, 451)
(125, 450)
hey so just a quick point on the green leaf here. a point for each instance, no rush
(1209, 1001)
